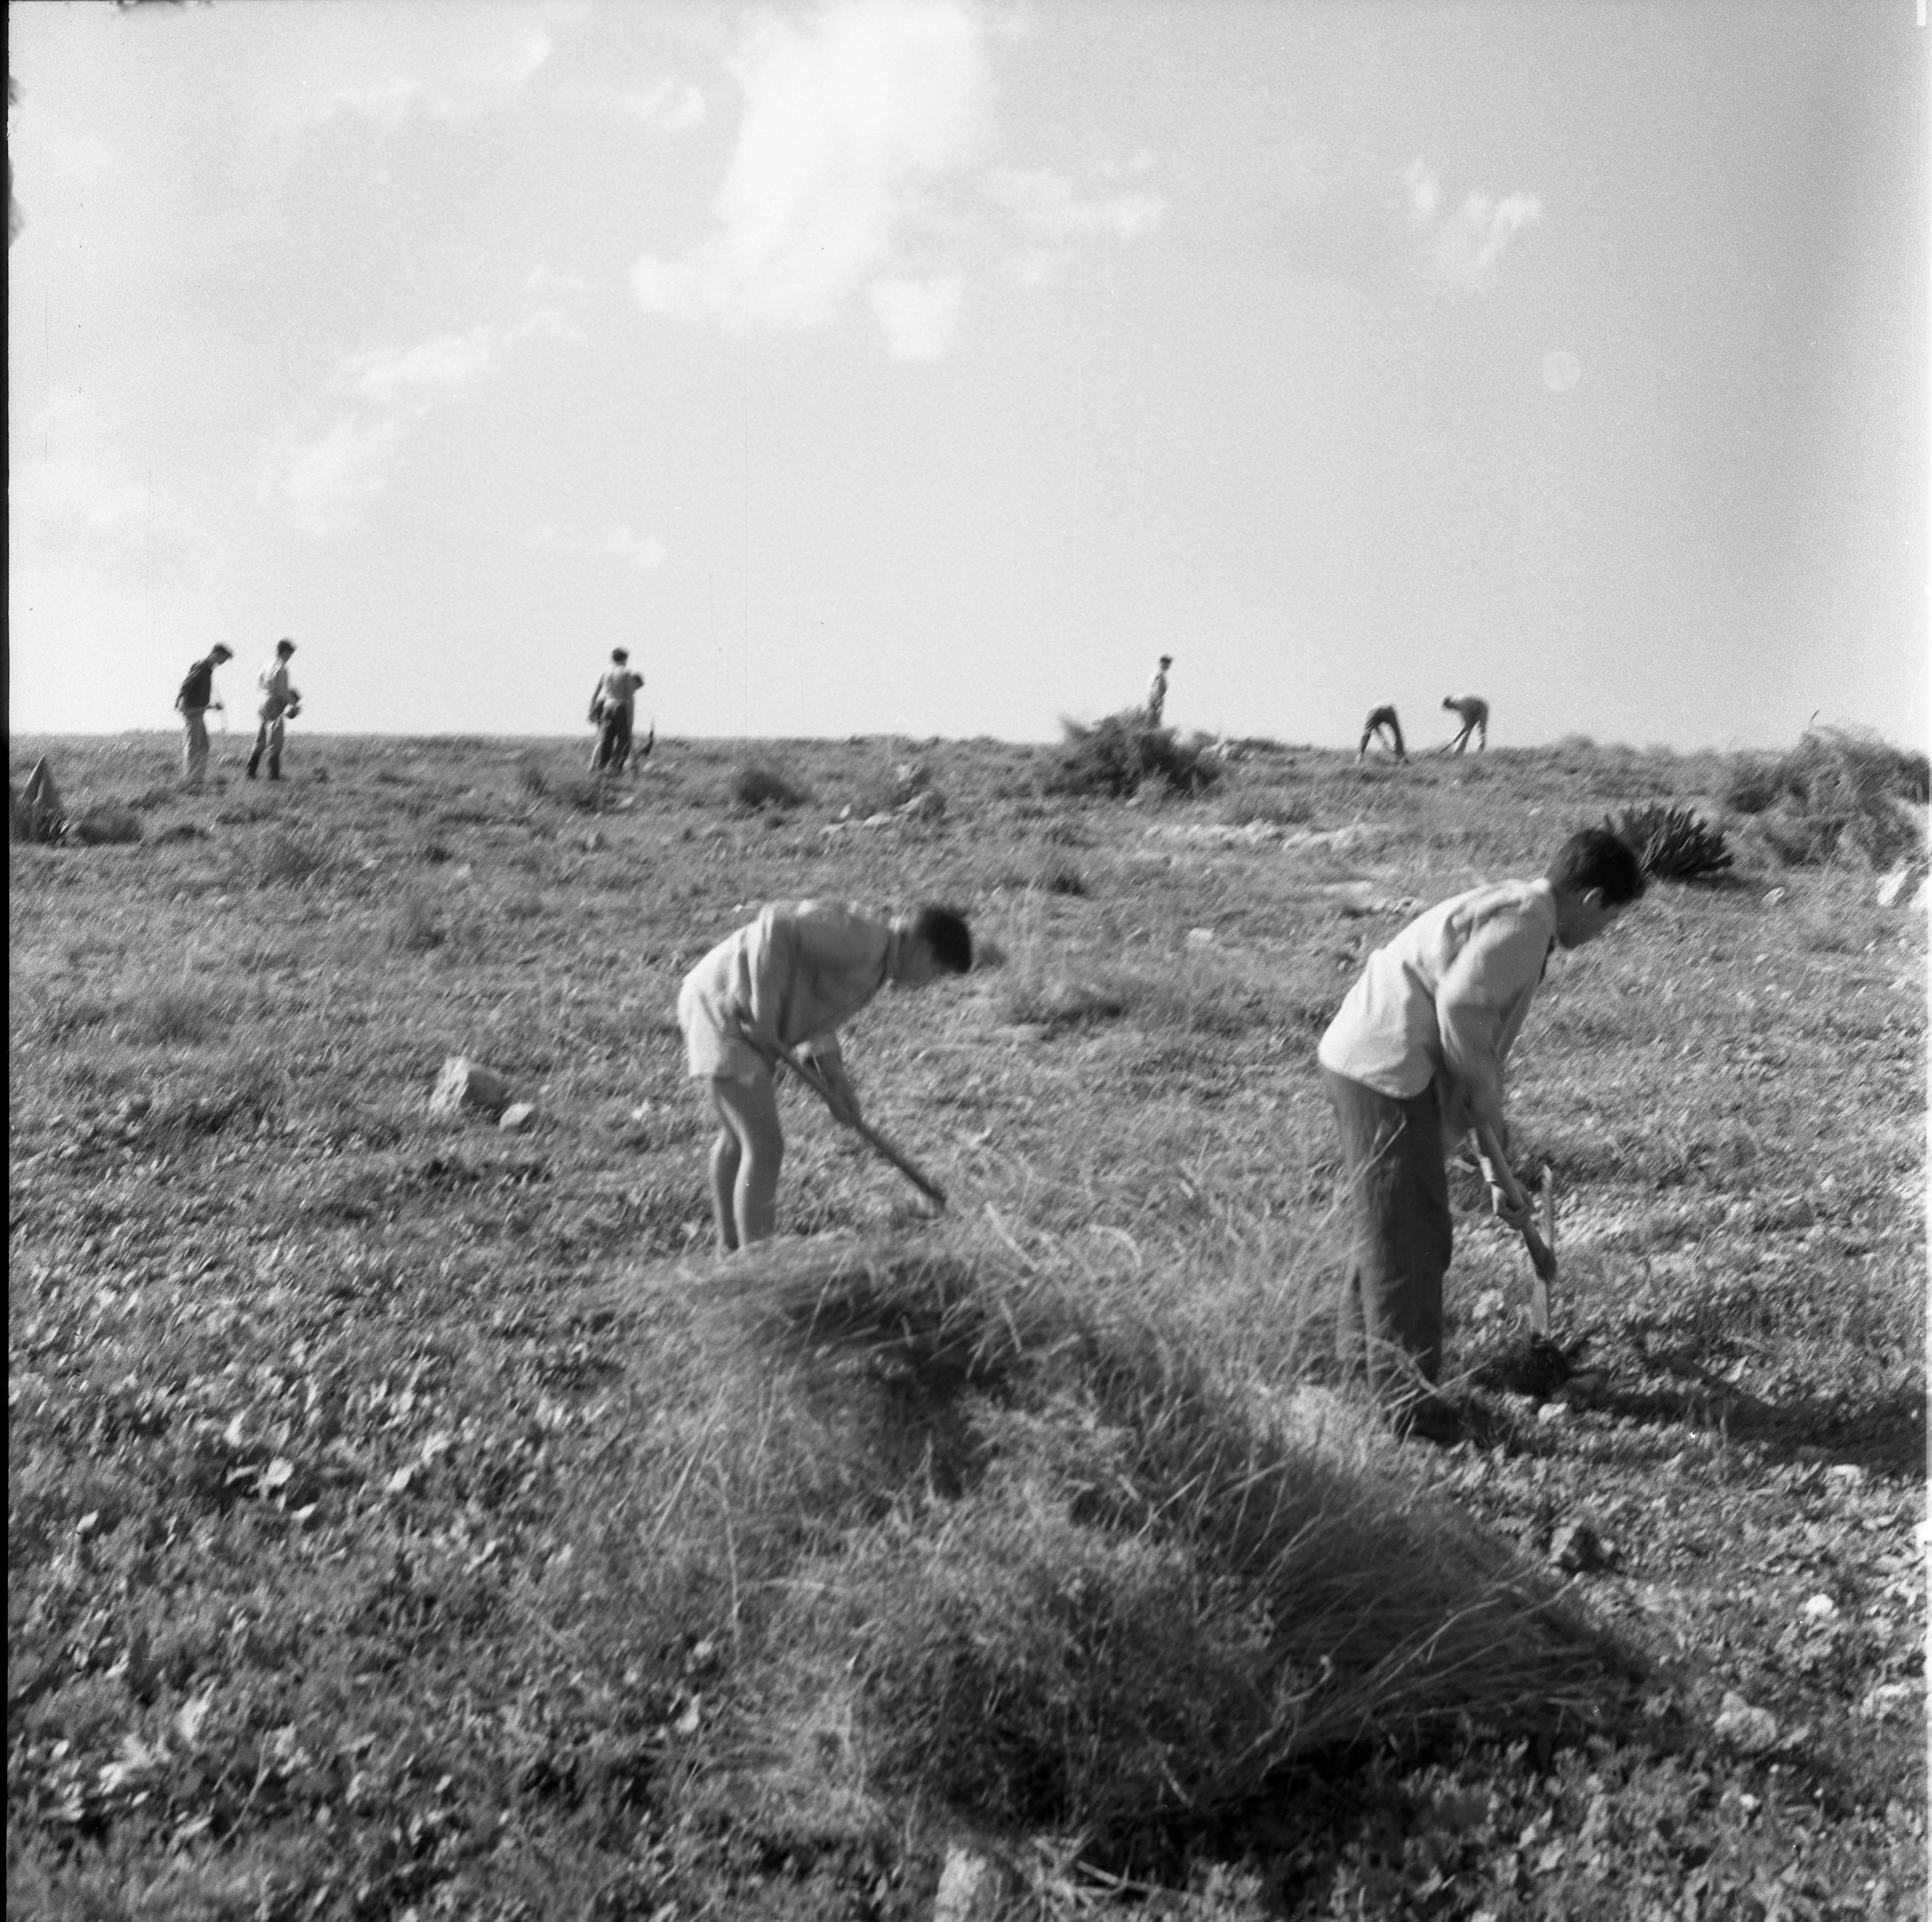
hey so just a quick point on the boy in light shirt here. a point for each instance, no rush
(793, 976)
(1413, 1060)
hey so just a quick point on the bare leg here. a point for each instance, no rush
(745, 1161)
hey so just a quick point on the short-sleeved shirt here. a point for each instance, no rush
(618, 687)
(795, 975)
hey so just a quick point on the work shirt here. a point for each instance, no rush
(1473, 709)
(618, 688)
(795, 974)
(1444, 1001)
(277, 694)
(197, 691)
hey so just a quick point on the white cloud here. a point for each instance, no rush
(1463, 245)
(921, 317)
(852, 120)
(664, 107)
(615, 541)
(1063, 206)
(330, 463)
(454, 61)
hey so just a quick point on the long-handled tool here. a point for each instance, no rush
(815, 1081)
(1542, 1252)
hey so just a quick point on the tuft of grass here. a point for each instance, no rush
(1672, 844)
(1119, 754)
(177, 1012)
(290, 859)
(412, 928)
(531, 779)
(1277, 807)
(758, 784)
(107, 823)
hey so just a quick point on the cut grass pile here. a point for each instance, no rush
(1841, 789)
(1119, 754)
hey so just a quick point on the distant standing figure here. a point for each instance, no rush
(1157, 698)
(793, 976)
(1382, 720)
(279, 702)
(613, 707)
(1474, 712)
(196, 698)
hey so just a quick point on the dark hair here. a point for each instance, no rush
(285, 647)
(1596, 858)
(620, 654)
(943, 930)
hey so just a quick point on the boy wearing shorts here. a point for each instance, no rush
(792, 977)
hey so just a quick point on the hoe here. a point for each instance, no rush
(813, 1081)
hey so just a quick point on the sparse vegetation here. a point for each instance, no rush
(404, 1514)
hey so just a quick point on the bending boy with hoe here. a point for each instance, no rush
(1413, 1060)
(790, 980)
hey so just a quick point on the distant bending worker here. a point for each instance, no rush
(1382, 722)
(613, 709)
(196, 698)
(1157, 698)
(792, 977)
(1474, 713)
(280, 702)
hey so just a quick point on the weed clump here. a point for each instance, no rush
(412, 928)
(758, 784)
(531, 779)
(106, 824)
(1672, 844)
(1841, 789)
(1118, 755)
(289, 858)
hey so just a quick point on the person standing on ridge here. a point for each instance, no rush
(1473, 712)
(196, 698)
(613, 708)
(1156, 693)
(280, 702)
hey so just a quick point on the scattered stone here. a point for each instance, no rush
(464, 1083)
(971, 1887)
(1553, 1413)
(1200, 937)
(1821, 1609)
(1749, 1730)
(1773, 896)
(1850, 1473)
(1577, 1549)
(1890, 1701)
(1894, 884)
(518, 1116)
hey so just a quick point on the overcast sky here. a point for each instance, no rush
(929, 367)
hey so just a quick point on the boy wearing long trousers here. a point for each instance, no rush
(1412, 1061)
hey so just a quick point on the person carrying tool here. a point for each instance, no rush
(1413, 1060)
(787, 980)
(196, 698)
(1382, 720)
(280, 702)
(1473, 712)
(613, 709)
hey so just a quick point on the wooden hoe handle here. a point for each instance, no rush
(1542, 1256)
(924, 1183)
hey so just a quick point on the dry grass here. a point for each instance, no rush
(512, 1557)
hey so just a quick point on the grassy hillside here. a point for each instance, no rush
(410, 1517)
